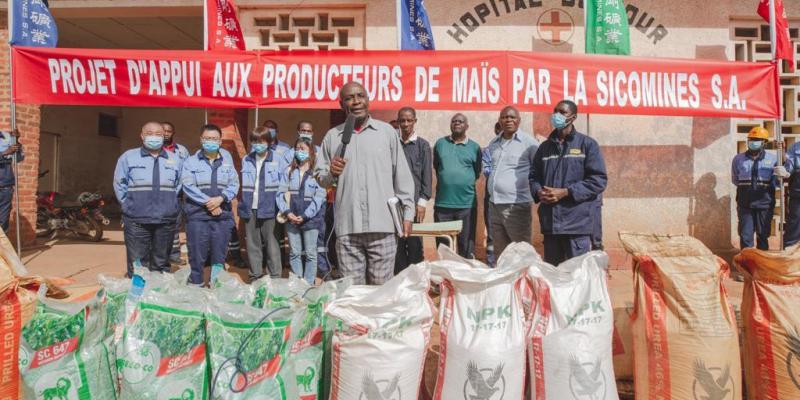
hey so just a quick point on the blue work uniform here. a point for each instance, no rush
(7, 177)
(306, 200)
(577, 165)
(755, 182)
(262, 230)
(147, 187)
(175, 256)
(791, 235)
(208, 235)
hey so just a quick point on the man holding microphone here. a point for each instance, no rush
(367, 172)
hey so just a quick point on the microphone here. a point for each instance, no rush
(347, 133)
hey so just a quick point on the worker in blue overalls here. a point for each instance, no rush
(146, 183)
(9, 145)
(261, 176)
(754, 174)
(304, 210)
(210, 183)
(567, 177)
(791, 170)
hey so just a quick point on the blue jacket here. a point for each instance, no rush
(143, 200)
(755, 180)
(792, 165)
(577, 166)
(6, 162)
(203, 179)
(283, 151)
(181, 151)
(307, 198)
(273, 167)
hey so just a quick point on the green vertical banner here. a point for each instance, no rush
(607, 27)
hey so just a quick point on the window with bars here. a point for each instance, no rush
(304, 28)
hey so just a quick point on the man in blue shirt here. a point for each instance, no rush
(486, 158)
(753, 173)
(146, 183)
(568, 175)
(9, 145)
(510, 156)
(179, 150)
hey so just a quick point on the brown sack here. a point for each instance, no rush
(685, 340)
(771, 323)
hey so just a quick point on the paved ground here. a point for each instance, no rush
(82, 261)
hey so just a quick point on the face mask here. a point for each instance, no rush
(301, 155)
(273, 133)
(306, 136)
(755, 145)
(558, 120)
(210, 146)
(153, 142)
(260, 148)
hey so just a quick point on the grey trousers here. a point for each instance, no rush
(367, 257)
(510, 223)
(262, 235)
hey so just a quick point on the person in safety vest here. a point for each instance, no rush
(754, 173)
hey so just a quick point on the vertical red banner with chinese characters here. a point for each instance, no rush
(223, 31)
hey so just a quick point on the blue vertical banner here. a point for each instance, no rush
(31, 24)
(415, 27)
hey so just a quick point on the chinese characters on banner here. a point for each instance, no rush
(607, 27)
(224, 32)
(415, 27)
(32, 25)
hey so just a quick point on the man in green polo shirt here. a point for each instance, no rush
(457, 162)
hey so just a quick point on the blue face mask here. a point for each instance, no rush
(153, 142)
(260, 148)
(301, 155)
(273, 133)
(558, 120)
(306, 136)
(210, 146)
(755, 145)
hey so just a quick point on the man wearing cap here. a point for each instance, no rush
(754, 172)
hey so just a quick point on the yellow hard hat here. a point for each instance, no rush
(758, 133)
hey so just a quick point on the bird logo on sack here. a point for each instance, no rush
(484, 383)
(383, 389)
(793, 358)
(712, 383)
(586, 380)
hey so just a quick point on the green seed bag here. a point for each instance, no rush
(63, 354)
(262, 357)
(163, 352)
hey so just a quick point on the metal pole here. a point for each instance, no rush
(14, 156)
(255, 119)
(778, 121)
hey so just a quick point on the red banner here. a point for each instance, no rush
(222, 27)
(433, 80)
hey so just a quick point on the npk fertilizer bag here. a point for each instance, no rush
(771, 323)
(247, 347)
(570, 352)
(483, 329)
(382, 334)
(63, 354)
(685, 338)
(163, 352)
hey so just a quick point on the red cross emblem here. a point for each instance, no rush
(555, 26)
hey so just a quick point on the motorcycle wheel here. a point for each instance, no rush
(93, 230)
(42, 224)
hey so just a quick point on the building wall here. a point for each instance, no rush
(666, 174)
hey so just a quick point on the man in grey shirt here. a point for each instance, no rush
(510, 156)
(373, 170)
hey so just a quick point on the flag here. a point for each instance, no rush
(415, 29)
(607, 27)
(222, 27)
(31, 24)
(783, 45)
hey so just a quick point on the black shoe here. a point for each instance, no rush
(177, 262)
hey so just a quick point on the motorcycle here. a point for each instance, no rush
(82, 217)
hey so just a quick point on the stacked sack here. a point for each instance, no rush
(771, 323)
(685, 337)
